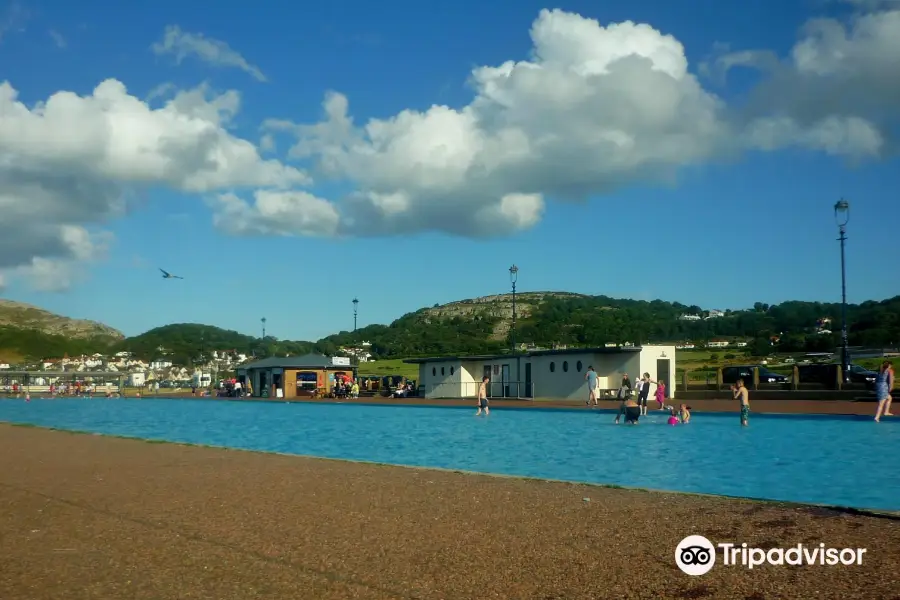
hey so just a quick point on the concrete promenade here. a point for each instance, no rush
(93, 517)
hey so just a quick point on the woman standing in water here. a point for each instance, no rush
(884, 383)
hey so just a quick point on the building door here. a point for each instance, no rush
(662, 373)
(529, 393)
(504, 380)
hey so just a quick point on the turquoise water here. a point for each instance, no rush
(828, 460)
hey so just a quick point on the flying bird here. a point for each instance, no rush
(167, 275)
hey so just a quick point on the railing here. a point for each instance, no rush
(469, 389)
(798, 377)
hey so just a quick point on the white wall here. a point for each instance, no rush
(441, 378)
(570, 384)
(457, 379)
(649, 356)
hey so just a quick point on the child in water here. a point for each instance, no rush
(673, 417)
(685, 414)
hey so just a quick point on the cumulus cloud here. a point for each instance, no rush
(182, 44)
(593, 109)
(837, 92)
(67, 166)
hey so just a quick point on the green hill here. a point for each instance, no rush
(478, 325)
(546, 318)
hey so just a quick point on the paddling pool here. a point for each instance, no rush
(844, 461)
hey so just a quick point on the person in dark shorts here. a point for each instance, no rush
(644, 393)
(482, 397)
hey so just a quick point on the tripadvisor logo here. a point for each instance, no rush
(696, 555)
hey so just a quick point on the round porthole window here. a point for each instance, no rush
(434, 370)
(452, 369)
(442, 370)
(578, 366)
(566, 366)
(552, 367)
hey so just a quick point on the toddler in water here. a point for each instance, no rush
(685, 413)
(673, 417)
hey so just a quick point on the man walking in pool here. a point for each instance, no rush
(482, 397)
(741, 393)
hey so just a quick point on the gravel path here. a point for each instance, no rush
(85, 516)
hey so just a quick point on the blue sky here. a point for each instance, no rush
(724, 234)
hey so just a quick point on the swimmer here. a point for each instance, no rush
(673, 417)
(482, 397)
(685, 414)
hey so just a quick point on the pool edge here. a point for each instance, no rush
(876, 513)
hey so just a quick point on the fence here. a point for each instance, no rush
(469, 389)
(798, 378)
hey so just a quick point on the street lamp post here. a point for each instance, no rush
(842, 217)
(513, 276)
(263, 321)
(355, 308)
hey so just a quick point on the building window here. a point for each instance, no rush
(434, 371)
(552, 366)
(307, 380)
(442, 371)
(578, 366)
(566, 366)
(452, 369)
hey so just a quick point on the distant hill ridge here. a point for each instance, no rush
(476, 325)
(25, 316)
(497, 306)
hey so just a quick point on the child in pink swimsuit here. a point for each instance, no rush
(661, 394)
(673, 417)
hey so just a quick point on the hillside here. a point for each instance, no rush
(184, 343)
(547, 318)
(477, 325)
(31, 333)
(26, 316)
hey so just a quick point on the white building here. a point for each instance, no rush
(160, 363)
(136, 379)
(555, 374)
(717, 344)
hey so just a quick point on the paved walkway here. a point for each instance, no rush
(92, 517)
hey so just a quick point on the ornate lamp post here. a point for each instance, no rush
(513, 277)
(355, 309)
(842, 217)
(263, 321)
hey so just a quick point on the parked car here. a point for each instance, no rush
(827, 375)
(731, 374)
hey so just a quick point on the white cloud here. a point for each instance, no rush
(67, 165)
(275, 213)
(182, 44)
(57, 38)
(839, 91)
(595, 108)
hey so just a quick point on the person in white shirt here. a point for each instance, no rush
(238, 391)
